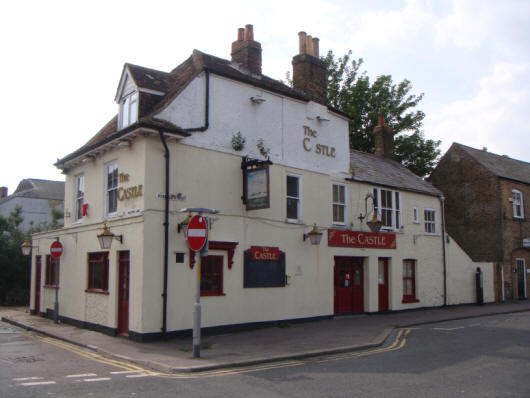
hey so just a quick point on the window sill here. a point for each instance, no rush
(77, 222)
(97, 291)
(51, 286)
(292, 221)
(434, 234)
(409, 301)
(210, 294)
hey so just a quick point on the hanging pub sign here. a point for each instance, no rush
(370, 240)
(255, 183)
(264, 267)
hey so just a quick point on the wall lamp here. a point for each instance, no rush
(183, 225)
(314, 235)
(375, 223)
(26, 247)
(105, 237)
(257, 99)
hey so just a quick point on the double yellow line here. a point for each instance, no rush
(398, 343)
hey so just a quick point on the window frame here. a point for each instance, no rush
(219, 274)
(79, 200)
(129, 103)
(51, 278)
(517, 204)
(409, 298)
(343, 204)
(108, 166)
(297, 198)
(434, 222)
(91, 262)
(395, 209)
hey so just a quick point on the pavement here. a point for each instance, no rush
(270, 344)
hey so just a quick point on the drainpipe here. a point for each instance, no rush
(442, 203)
(166, 235)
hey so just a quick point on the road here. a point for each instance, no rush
(480, 357)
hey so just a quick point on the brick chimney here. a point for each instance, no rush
(3, 192)
(246, 52)
(384, 140)
(309, 71)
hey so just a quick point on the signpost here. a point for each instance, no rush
(56, 250)
(197, 237)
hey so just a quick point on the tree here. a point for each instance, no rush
(351, 92)
(14, 267)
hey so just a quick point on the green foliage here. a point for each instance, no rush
(350, 91)
(14, 267)
(238, 141)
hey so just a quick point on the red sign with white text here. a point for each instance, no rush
(197, 233)
(265, 253)
(56, 249)
(370, 240)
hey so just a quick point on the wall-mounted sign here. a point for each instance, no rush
(130, 193)
(526, 243)
(340, 238)
(255, 183)
(172, 196)
(264, 267)
(309, 144)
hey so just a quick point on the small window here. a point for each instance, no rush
(293, 197)
(111, 188)
(415, 215)
(129, 110)
(517, 204)
(98, 271)
(429, 216)
(339, 203)
(409, 281)
(52, 271)
(388, 208)
(212, 276)
(79, 196)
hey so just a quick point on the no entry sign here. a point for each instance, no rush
(56, 249)
(197, 233)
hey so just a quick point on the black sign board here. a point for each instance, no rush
(264, 267)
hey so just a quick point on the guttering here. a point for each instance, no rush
(166, 235)
(206, 108)
(442, 203)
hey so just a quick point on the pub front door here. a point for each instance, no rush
(349, 289)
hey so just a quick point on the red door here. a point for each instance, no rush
(38, 265)
(383, 284)
(123, 294)
(349, 290)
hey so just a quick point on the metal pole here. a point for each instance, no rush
(197, 310)
(56, 304)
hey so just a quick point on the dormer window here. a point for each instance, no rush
(129, 109)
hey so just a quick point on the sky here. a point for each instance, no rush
(62, 60)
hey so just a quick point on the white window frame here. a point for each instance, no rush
(129, 109)
(396, 211)
(517, 204)
(108, 166)
(434, 222)
(79, 180)
(343, 204)
(299, 199)
(415, 215)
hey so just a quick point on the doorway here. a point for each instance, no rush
(349, 286)
(123, 293)
(383, 284)
(38, 266)
(521, 278)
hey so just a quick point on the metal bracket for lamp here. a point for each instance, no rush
(314, 235)
(375, 223)
(183, 225)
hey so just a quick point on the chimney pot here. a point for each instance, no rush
(316, 50)
(301, 42)
(241, 34)
(249, 32)
(383, 139)
(309, 45)
(246, 52)
(3, 192)
(381, 120)
(309, 71)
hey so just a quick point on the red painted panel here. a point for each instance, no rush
(349, 289)
(38, 267)
(341, 238)
(123, 294)
(383, 284)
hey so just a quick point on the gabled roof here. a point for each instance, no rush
(500, 165)
(171, 84)
(38, 189)
(372, 169)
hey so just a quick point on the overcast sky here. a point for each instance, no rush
(62, 60)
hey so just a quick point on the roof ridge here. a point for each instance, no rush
(489, 153)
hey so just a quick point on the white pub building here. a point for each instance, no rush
(292, 239)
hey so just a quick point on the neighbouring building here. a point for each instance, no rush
(275, 162)
(487, 212)
(36, 197)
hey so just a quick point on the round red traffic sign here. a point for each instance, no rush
(197, 233)
(56, 249)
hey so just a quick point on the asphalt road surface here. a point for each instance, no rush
(480, 357)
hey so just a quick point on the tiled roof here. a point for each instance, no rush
(501, 166)
(38, 189)
(369, 168)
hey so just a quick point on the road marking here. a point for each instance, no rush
(122, 372)
(27, 378)
(140, 375)
(449, 329)
(37, 383)
(98, 379)
(82, 375)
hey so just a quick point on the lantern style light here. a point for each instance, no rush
(26, 247)
(314, 236)
(375, 223)
(105, 237)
